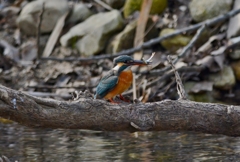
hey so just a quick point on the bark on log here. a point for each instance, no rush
(87, 113)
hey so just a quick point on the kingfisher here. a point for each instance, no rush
(118, 79)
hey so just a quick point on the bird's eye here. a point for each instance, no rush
(128, 61)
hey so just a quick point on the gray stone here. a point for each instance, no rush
(235, 54)
(123, 40)
(93, 33)
(205, 9)
(224, 79)
(234, 23)
(28, 18)
(80, 13)
(9, 11)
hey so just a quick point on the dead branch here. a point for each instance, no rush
(180, 88)
(39, 24)
(151, 42)
(104, 5)
(86, 113)
(184, 51)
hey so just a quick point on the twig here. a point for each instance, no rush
(60, 87)
(106, 6)
(139, 35)
(39, 29)
(152, 41)
(191, 43)
(180, 87)
(4, 159)
(169, 74)
(134, 87)
(55, 34)
(184, 51)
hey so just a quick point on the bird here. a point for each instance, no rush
(118, 79)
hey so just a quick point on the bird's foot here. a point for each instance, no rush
(124, 99)
(112, 101)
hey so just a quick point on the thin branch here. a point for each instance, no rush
(4, 159)
(169, 74)
(191, 43)
(180, 87)
(184, 51)
(40, 17)
(106, 6)
(55, 34)
(61, 87)
(151, 42)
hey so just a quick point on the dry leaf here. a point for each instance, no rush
(9, 51)
(208, 45)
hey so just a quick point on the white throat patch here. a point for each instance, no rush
(116, 68)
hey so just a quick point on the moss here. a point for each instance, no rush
(158, 6)
(174, 43)
(72, 42)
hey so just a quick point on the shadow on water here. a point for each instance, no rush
(26, 144)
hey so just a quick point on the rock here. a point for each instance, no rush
(28, 18)
(236, 69)
(125, 39)
(224, 79)
(207, 9)
(93, 33)
(10, 14)
(80, 13)
(11, 10)
(174, 43)
(235, 54)
(204, 96)
(234, 23)
(117, 4)
(158, 6)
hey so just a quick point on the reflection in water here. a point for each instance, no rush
(27, 144)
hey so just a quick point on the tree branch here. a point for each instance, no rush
(151, 42)
(86, 113)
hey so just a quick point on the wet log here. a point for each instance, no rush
(87, 113)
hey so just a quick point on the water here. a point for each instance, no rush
(20, 143)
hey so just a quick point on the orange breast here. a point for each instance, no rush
(124, 82)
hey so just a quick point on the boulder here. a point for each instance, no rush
(90, 37)
(125, 39)
(234, 54)
(174, 43)
(224, 79)
(234, 23)
(80, 13)
(130, 6)
(53, 10)
(236, 69)
(206, 9)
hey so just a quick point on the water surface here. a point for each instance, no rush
(21, 143)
